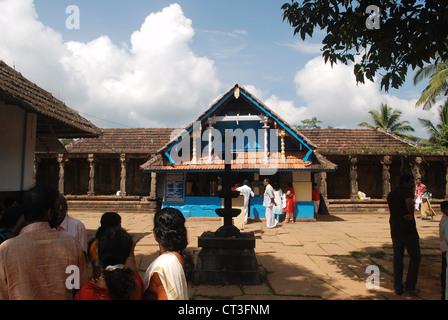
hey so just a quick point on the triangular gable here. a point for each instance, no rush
(236, 92)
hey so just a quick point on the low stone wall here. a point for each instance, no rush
(376, 206)
(144, 205)
(112, 203)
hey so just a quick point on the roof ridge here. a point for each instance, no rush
(393, 135)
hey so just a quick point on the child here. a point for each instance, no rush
(443, 245)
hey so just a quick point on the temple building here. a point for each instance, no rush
(146, 168)
(240, 130)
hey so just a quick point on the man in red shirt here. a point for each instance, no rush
(419, 190)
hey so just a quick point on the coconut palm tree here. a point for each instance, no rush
(438, 133)
(388, 119)
(438, 83)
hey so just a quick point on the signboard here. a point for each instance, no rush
(174, 187)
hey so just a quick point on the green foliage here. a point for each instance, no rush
(438, 83)
(66, 142)
(312, 123)
(438, 133)
(411, 34)
(388, 119)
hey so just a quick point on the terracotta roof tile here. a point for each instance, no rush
(349, 139)
(17, 90)
(252, 161)
(133, 140)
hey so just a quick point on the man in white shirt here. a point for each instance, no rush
(70, 225)
(269, 203)
(247, 193)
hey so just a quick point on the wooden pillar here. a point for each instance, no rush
(91, 189)
(321, 179)
(386, 162)
(417, 168)
(153, 191)
(282, 134)
(123, 161)
(353, 178)
(61, 181)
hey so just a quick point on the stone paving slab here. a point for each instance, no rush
(324, 259)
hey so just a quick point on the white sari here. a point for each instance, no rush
(172, 275)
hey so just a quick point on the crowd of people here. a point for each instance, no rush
(276, 202)
(45, 255)
(40, 244)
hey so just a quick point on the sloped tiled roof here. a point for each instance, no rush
(250, 161)
(133, 140)
(267, 112)
(53, 115)
(350, 139)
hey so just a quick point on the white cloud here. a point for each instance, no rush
(157, 82)
(286, 109)
(332, 95)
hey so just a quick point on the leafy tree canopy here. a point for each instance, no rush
(410, 33)
(312, 123)
(389, 119)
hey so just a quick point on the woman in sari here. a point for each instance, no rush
(426, 208)
(165, 278)
(290, 204)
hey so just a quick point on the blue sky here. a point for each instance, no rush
(161, 63)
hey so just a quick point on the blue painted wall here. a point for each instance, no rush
(201, 207)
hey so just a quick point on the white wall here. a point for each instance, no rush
(17, 145)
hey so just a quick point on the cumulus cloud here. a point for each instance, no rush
(332, 95)
(286, 109)
(157, 82)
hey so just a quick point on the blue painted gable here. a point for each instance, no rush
(238, 102)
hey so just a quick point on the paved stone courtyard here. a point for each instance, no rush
(315, 260)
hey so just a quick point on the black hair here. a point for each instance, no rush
(444, 204)
(276, 186)
(114, 247)
(108, 220)
(38, 200)
(406, 178)
(170, 230)
(169, 227)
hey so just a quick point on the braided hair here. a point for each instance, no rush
(114, 247)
